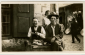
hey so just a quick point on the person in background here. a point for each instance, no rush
(54, 33)
(80, 21)
(46, 21)
(36, 32)
(74, 27)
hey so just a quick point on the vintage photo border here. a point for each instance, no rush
(43, 51)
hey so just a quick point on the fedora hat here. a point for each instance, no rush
(53, 14)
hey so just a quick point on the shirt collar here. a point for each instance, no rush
(52, 26)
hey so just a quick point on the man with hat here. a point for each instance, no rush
(54, 33)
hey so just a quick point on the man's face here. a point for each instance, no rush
(35, 22)
(54, 20)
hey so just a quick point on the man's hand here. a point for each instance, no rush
(57, 37)
(32, 33)
(53, 39)
(60, 39)
(37, 33)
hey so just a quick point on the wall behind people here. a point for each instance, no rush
(39, 11)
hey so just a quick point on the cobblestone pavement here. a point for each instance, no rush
(69, 46)
(19, 45)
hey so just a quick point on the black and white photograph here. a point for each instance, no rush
(42, 26)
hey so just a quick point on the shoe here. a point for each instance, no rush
(73, 42)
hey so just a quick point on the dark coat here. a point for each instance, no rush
(49, 32)
(74, 28)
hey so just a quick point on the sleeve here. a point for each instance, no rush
(61, 31)
(29, 32)
(48, 38)
(43, 33)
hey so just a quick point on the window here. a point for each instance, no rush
(6, 14)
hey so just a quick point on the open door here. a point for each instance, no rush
(22, 19)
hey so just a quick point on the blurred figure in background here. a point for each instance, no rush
(80, 22)
(74, 27)
(69, 20)
(46, 21)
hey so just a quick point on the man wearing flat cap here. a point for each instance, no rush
(54, 33)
